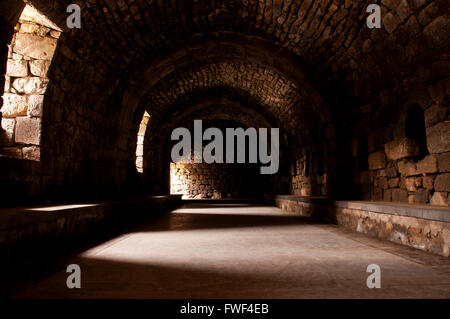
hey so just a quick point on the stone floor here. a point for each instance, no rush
(245, 251)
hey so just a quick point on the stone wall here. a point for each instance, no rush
(216, 181)
(29, 57)
(308, 179)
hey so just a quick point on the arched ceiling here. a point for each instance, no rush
(134, 53)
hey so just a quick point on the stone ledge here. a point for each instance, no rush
(419, 226)
(307, 206)
(436, 213)
(305, 199)
(38, 217)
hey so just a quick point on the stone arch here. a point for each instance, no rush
(140, 142)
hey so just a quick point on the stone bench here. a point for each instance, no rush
(32, 236)
(423, 227)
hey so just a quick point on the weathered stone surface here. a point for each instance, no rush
(381, 182)
(411, 184)
(12, 152)
(30, 85)
(435, 114)
(438, 138)
(436, 33)
(422, 196)
(28, 130)
(399, 195)
(428, 164)
(7, 132)
(16, 68)
(14, 105)
(377, 160)
(403, 10)
(439, 198)
(387, 195)
(444, 162)
(424, 234)
(394, 182)
(39, 67)
(35, 105)
(442, 183)
(407, 168)
(390, 22)
(7, 84)
(401, 148)
(41, 48)
(29, 27)
(391, 172)
(428, 182)
(32, 153)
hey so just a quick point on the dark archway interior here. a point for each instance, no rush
(338, 91)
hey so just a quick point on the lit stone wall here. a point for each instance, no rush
(29, 57)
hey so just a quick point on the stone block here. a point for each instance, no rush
(407, 168)
(34, 46)
(401, 148)
(39, 67)
(439, 198)
(444, 162)
(14, 105)
(442, 183)
(28, 27)
(394, 182)
(30, 85)
(377, 160)
(411, 184)
(390, 22)
(32, 153)
(399, 195)
(422, 196)
(391, 172)
(436, 33)
(435, 114)
(377, 193)
(35, 105)
(16, 68)
(387, 195)
(438, 138)
(428, 165)
(382, 182)
(428, 182)
(403, 10)
(28, 130)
